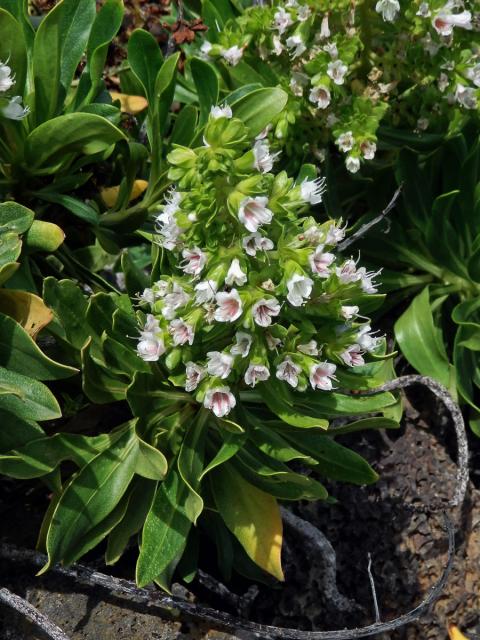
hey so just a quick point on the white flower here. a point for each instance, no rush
(219, 364)
(181, 332)
(272, 342)
(229, 306)
(221, 112)
(296, 45)
(352, 164)
(298, 82)
(151, 328)
(368, 149)
(335, 234)
(312, 190)
(235, 275)
(320, 96)
(263, 159)
(388, 8)
(219, 400)
(205, 291)
(173, 301)
(313, 235)
(277, 45)
(466, 96)
(147, 296)
(160, 288)
(167, 225)
(288, 371)
(6, 79)
(332, 50)
(353, 356)
(256, 373)
(150, 349)
(195, 374)
(444, 21)
(243, 344)
(263, 311)
(233, 55)
(366, 278)
(206, 48)
(282, 20)
(256, 242)
(14, 109)
(320, 262)
(336, 70)
(443, 82)
(303, 13)
(349, 311)
(324, 28)
(253, 213)
(422, 124)
(365, 339)
(321, 375)
(299, 289)
(348, 272)
(473, 74)
(424, 10)
(309, 349)
(345, 141)
(194, 261)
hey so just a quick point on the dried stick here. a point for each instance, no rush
(368, 225)
(372, 587)
(29, 611)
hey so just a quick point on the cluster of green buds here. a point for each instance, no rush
(252, 288)
(346, 66)
(10, 106)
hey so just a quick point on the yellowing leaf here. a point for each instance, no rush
(130, 104)
(110, 194)
(26, 308)
(454, 633)
(253, 517)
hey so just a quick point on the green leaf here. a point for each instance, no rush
(259, 108)
(232, 443)
(339, 404)
(90, 497)
(74, 205)
(27, 398)
(145, 59)
(19, 353)
(70, 306)
(59, 45)
(73, 133)
(252, 516)
(16, 432)
(365, 424)
(13, 49)
(334, 460)
(206, 83)
(165, 531)
(278, 400)
(190, 463)
(15, 217)
(184, 128)
(151, 463)
(99, 384)
(416, 335)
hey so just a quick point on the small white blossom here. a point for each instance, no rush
(263, 159)
(220, 400)
(263, 311)
(288, 372)
(320, 96)
(345, 141)
(235, 274)
(229, 306)
(195, 374)
(14, 109)
(299, 289)
(368, 149)
(347, 272)
(6, 79)
(219, 364)
(181, 332)
(466, 97)
(349, 311)
(352, 164)
(352, 356)
(309, 349)
(147, 296)
(366, 278)
(256, 242)
(324, 28)
(336, 70)
(233, 55)
(335, 234)
(314, 235)
(422, 124)
(277, 45)
(221, 112)
(256, 373)
(253, 213)
(424, 10)
(160, 288)
(365, 339)
(443, 82)
(173, 301)
(242, 345)
(303, 13)
(282, 20)
(389, 9)
(150, 349)
(320, 262)
(205, 291)
(296, 45)
(473, 74)
(312, 190)
(194, 261)
(151, 327)
(444, 21)
(206, 48)
(272, 342)
(332, 50)
(321, 375)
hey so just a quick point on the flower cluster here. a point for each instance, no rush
(10, 107)
(255, 290)
(349, 66)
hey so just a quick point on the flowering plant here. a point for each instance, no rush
(348, 68)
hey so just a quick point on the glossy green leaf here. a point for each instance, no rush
(277, 400)
(151, 463)
(184, 128)
(74, 205)
(26, 398)
(15, 217)
(259, 108)
(190, 463)
(13, 48)
(70, 306)
(145, 60)
(206, 83)
(16, 432)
